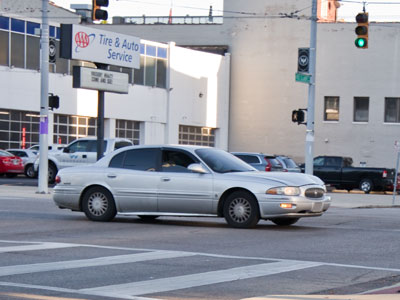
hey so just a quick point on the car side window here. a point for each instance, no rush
(122, 144)
(79, 146)
(175, 161)
(319, 161)
(136, 159)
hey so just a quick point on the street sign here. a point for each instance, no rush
(52, 51)
(303, 60)
(101, 80)
(300, 77)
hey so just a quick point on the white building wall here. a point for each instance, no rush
(263, 90)
(192, 72)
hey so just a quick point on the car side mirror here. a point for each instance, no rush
(66, 150)
(197, 168)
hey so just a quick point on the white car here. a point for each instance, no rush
(28, 157)
(153, 181)
(80, 152)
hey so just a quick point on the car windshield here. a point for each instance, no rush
(289, 162)
(221, 161)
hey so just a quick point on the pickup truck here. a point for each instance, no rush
(78, 153)
(338, 172)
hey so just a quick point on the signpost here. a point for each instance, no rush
(102, 48)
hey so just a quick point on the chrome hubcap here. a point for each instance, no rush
(240, 210)
(97, 204)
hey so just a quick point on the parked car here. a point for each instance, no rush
(339, 172)
(10, 164)
(50, 147)
(260, 161)
(28, 156)
(78, 153)
(152, 181)
(288, 164)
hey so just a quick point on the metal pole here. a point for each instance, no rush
(44, 96)
(311, 93)
(100, 117)
(100, 125)
(395, 177)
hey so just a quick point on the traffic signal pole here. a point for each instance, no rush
(309, 151)
(44, 99)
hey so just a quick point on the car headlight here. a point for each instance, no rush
(284, 190)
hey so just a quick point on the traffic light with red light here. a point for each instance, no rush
(97, 12)
(362, 30)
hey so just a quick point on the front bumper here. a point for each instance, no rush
(270, 206)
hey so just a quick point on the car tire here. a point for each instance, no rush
(284, 221)
(98, 204)
(52, 172)
(30, 171)
(241, 210)
(366, 185)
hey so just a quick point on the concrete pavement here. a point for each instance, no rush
(340, 199)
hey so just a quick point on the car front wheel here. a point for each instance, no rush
(98, 204)
(241, 210)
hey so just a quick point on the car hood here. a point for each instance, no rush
(279, 178)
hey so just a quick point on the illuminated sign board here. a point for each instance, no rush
(101, 80)
(99, 46)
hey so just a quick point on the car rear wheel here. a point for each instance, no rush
(52, 172)
(366, 185)
(284, 221)
(30, 171)
(98, 204)
(241, 210)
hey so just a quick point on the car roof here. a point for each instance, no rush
(254, 153)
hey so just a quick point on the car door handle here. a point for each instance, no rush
(84, 156)
(111, 175)
(165, 179)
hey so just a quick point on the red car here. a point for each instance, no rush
(10, 164)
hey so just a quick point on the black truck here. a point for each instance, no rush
(338, 171)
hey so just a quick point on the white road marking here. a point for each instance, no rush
(32, 247)
(92, 262)
(62, 290)
(199, 279)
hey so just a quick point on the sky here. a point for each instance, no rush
(379, 10)
(154, 7)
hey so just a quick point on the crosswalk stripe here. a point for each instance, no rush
(92, 262)
(199, 279)
(32, 247)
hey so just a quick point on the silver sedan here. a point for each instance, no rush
(153, 181)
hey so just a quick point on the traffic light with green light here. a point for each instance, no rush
(97, 12)
(362, 30)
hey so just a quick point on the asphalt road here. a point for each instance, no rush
(48, 253)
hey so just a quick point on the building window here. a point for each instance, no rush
(192, 135)
(331, 109)
(129, 130)
(392, 110)
(361, 109)
(69, 128)
(18, 129)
